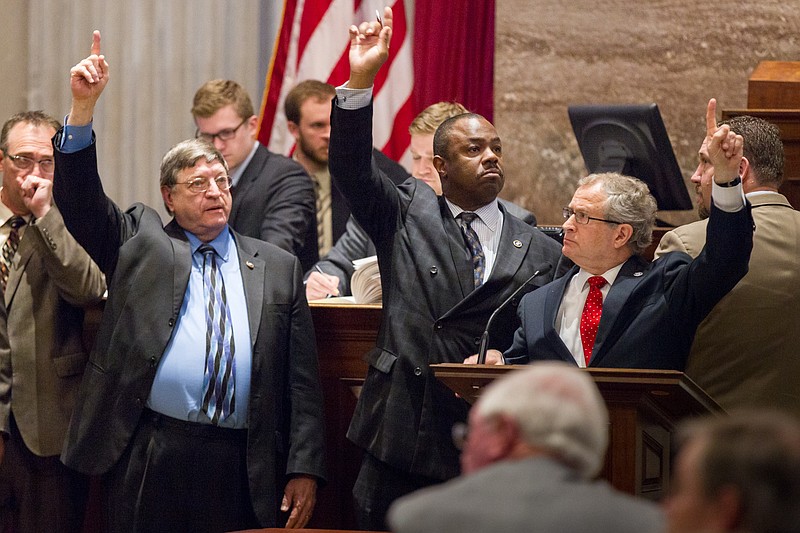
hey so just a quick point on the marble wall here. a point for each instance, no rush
(678, 53)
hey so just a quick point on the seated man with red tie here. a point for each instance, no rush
(615, 309)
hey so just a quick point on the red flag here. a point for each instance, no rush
(312, 43)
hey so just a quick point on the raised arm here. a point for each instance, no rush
(87, 81)
(725, 148)
(369, 49)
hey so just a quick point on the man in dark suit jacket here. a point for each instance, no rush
(650, 311)
(308, 118)
(537, 438)
(141, 419)
(273, 197)
(333, 272)
(432, 310)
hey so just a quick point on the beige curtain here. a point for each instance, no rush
(159, 51)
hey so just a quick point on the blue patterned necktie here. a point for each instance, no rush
(475, 248)
(9, 249)
(218, 378)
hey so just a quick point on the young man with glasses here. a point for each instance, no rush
(614, 309)
(46, 279)
(273, 197)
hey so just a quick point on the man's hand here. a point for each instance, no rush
(300, 496)
(87, 80)
(725, 148)
(320, 285)
(37, 195)
(369, 49)
(493, 357)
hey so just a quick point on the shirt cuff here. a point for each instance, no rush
(352, 99)
(75, 138)
(729, 199)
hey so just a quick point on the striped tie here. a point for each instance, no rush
(475, 248)
(218, 378)
(9, 249)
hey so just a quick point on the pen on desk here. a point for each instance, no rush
(318, 269)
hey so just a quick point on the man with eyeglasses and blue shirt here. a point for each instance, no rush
(46, 281)
(273, 196)
(201, 405)
(614, 309)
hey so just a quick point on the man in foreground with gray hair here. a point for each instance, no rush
(536, 439)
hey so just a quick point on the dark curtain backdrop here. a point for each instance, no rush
(454, 54)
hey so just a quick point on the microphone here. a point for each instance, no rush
(484, 345)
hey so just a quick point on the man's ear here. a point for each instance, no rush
(166, 195)
(745, 170)
(294, 129)
(623, 235)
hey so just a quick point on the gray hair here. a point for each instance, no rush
(629, 202)
(184, 155)
(558, 408)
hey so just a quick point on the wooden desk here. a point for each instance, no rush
(644, 407)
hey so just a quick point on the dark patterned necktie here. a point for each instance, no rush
(475, 248)
(218, 377)
(590, 318)
(9, 249)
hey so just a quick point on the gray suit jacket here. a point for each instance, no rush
(50, 282)
(148, 267)
(529, 495)
(431, 314)
(745, 353)
(356, 244)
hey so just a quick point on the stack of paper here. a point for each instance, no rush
(366, 281)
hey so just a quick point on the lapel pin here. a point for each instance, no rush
(517, 243)
(637, 274)
(250, 265)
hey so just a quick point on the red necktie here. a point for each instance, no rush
(590, 318)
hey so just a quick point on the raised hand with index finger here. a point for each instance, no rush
(87, 80)
(725, 148)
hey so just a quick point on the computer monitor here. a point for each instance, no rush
(631, 140)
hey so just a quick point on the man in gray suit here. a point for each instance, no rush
(333, 272)
(50, 279)
(201, 403)
(745, 352)
(535, 440)
(440, 285)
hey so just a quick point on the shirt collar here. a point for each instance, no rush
(222, 243)
(236, 175)
(489, 213)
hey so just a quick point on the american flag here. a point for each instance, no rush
(312, 43)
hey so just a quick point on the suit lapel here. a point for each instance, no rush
(182, 264)
(23, 255)
(629, 277)
(552, 303)
(458, 250)
(253, 269)
(246, 180)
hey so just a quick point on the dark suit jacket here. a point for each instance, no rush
(147, 267)
(431, 314)
(274, 201)
(356, 244)
(652, 310)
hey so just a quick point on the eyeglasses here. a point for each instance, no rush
(583, 218)
(224, 135)
(201, 185)
(460, 432)
(26, 163)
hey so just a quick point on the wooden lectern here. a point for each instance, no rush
(644, 407)
(773, 93)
